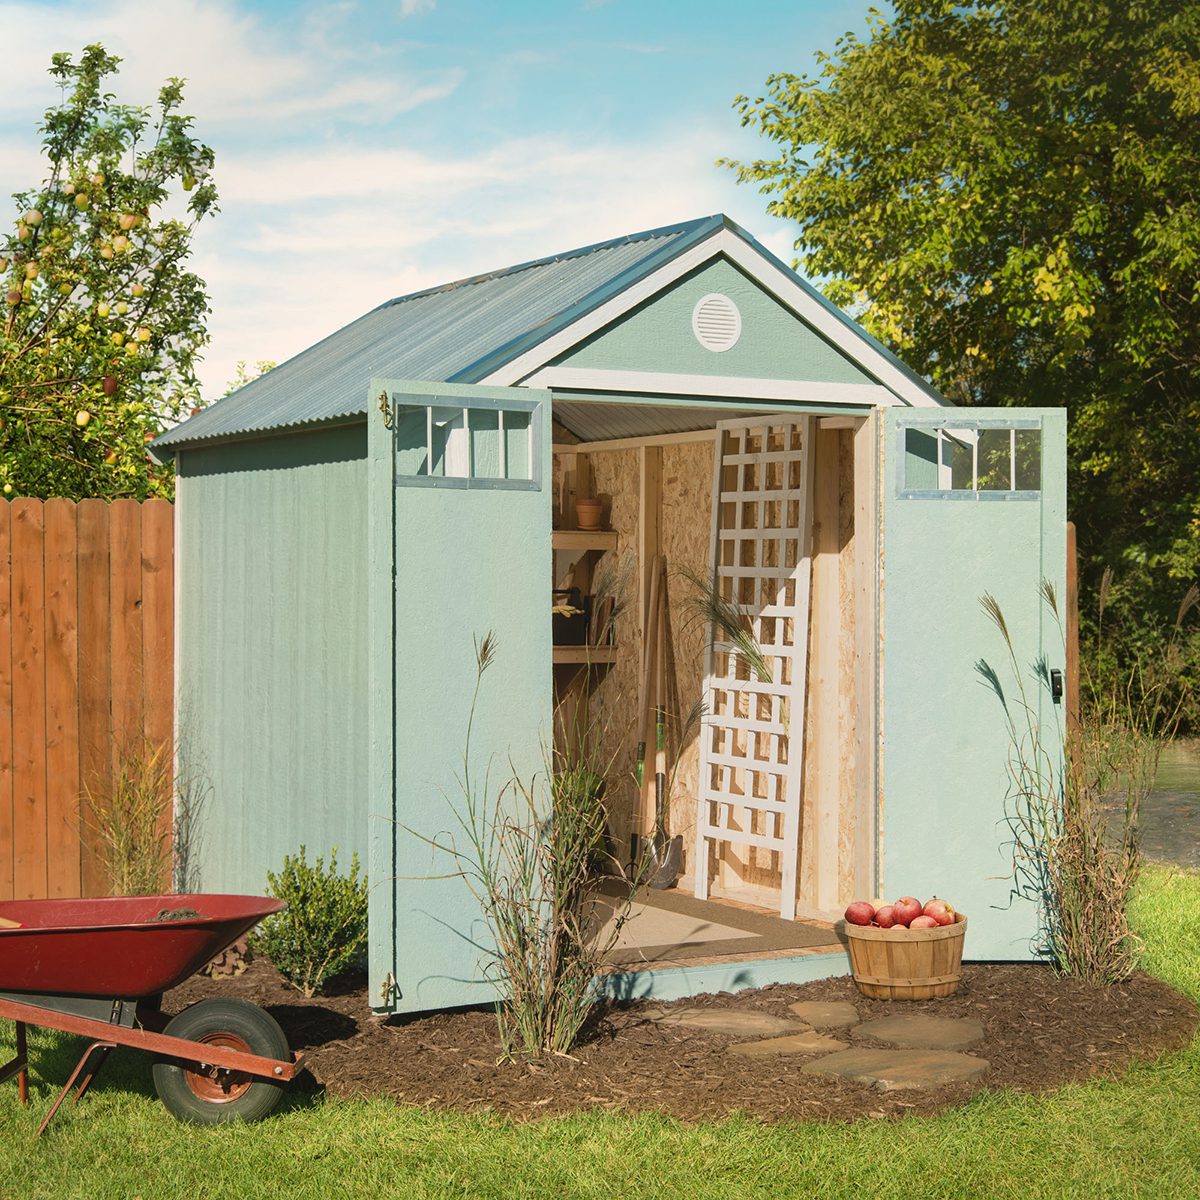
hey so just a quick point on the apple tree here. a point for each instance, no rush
(1007, 192)
(101, 322)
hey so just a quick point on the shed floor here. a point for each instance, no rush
(671, 927)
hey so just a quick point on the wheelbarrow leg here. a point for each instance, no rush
(19, 1065)
(104, 1051)
(104, 1048)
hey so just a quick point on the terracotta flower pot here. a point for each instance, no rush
(588, 513)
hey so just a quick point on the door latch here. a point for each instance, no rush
(1056, 685)
(386, 410)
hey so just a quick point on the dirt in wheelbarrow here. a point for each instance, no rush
(1040, 1030)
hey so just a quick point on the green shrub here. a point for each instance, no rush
(323, 930)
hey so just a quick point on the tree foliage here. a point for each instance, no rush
(1008, 194)
(102, 323)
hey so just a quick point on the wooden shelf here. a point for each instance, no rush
(584, 539)
(584, 655)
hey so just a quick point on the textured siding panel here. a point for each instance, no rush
(272, 655)
(774, 343)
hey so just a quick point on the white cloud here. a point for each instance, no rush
(328, 206)
(238, 68)
(410, 8)
(306, 243)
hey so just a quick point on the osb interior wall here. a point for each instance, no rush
(685, 539)
(684, 543)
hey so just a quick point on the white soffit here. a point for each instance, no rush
(897, 386)
(654, 383)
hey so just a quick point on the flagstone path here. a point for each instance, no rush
(921, 1051)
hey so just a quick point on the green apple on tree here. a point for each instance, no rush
(76, 411)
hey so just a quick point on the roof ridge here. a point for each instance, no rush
(679, 228)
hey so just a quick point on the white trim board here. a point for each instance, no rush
(654, 383)
(897, 387)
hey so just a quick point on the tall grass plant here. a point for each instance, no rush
(1074, 805)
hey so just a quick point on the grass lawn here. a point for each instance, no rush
(1134, 1136)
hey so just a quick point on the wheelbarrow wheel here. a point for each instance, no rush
(207, 1095)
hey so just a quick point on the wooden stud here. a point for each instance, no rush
(866, 591)
(822, 799)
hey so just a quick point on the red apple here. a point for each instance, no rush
(940, 911)
(885, 917)
(860, 913)
(906, 908)
(922, 922)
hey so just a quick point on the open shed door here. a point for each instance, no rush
(460, 517)
(974, 503)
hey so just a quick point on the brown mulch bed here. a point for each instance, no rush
(1041, 1030)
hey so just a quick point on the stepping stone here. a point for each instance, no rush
(919, 1032)
(826, 1014)
(735, 1022)
(891, 1070)
(796, 1043)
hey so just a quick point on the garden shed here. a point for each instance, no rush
(350, 524)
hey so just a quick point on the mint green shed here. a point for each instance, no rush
(350, 524)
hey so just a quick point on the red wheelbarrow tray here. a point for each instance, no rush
(114, 946)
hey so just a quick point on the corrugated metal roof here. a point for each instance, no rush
(461, 332)
(438, 334)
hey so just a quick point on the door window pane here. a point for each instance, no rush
(464, 443)
(1027, 460)
(962, 460)
(995, 460)
(517, 441)
(485, 444)
(412, 430)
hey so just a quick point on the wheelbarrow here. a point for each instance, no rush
(98, 968)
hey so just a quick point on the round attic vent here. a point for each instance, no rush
(716, 322)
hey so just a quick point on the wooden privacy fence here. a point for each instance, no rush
(86, 662)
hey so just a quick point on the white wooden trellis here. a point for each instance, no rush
(752, 739)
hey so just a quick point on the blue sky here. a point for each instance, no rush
(368, 149)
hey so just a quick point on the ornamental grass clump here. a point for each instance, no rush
(323, 930)
(529, 852)
(129, 816)
(1075, 799)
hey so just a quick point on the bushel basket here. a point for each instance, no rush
(906, 964)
